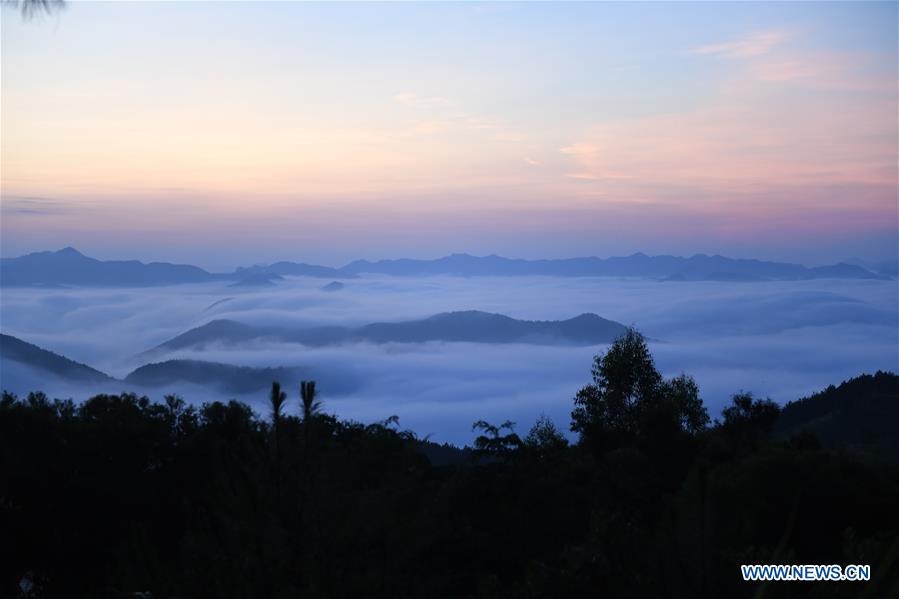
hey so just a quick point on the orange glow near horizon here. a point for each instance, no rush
(272, 116)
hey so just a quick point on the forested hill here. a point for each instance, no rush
(861, 414)
(119, 496)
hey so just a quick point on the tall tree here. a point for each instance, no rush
(277, 399)
(310, 410)
(624, 379)
(307, 395)
(629, 400)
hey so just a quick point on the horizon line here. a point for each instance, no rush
(71, 248)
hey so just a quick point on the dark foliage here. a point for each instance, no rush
(120, 495)
(862, 414)
(35, 8)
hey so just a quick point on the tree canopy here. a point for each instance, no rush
(629, 401)
(119, 496)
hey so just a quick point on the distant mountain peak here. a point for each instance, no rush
(257, 279)
(68, 266)
(465, 314)
(333, 286)
(588, 316)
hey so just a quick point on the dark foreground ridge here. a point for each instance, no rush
(119, 496)
(838, 419)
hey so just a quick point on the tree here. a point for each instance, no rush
(493, 443)
(748, 420)
(308, 394)
(629, 400)
(158, 485)
(683, 393)
(277, 399)
(310, 410)
(544, 438)
(33, 8)
(624, 379)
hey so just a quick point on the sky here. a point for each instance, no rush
(230, 133)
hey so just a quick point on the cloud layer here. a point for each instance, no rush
(777, 339)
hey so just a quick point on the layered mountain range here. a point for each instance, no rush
(159, 371)
(69, 267)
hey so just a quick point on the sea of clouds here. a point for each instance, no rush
(777, 339)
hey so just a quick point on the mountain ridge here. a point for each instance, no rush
(860, 414)
(696, 267)
(68, 266)
(225, 378)
(228, 378)
(462, 326)
(17, 350)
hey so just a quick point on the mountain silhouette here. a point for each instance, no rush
(227, 378)
(296, 269)
(13, 348)
(861, 415)
(70, 267)
(696, 268)
(333, 286)
(257, 279)
(469, 326)
(484, 327)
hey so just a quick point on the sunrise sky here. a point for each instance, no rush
(230, 133)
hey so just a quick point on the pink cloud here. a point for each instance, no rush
(411, 99)
(753, 44)
(807, 130)
(579, 149)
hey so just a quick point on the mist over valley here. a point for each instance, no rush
(436, 348)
